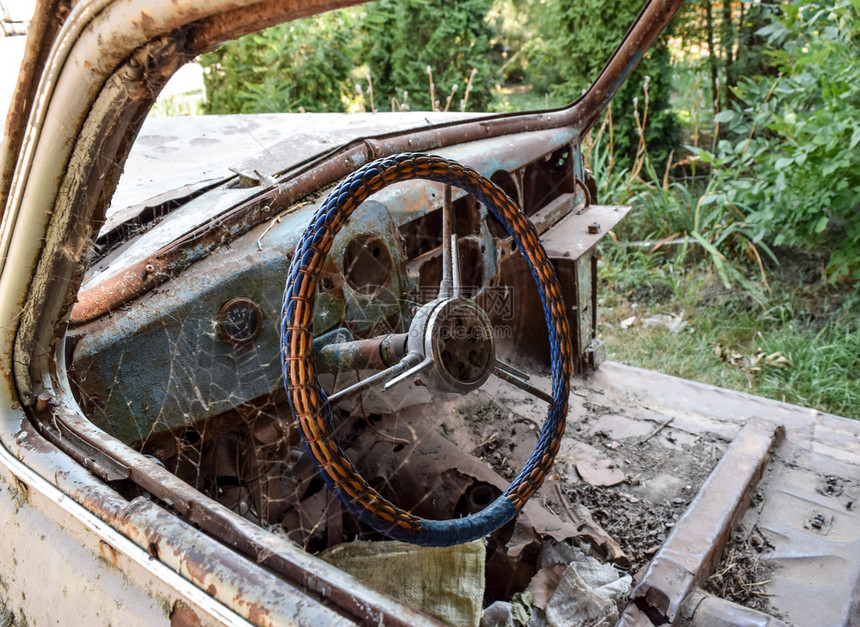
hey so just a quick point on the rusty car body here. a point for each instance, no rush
(150, 471)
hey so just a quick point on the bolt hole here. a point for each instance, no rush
(478, 497)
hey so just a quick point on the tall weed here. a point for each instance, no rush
(669, 210)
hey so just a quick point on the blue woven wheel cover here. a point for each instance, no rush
(309, 402)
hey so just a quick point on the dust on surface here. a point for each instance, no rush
(499, 436)
(663, 467)
(664, 470)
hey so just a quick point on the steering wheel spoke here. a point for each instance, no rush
(414, 370)
(519, 379)
(385, 377)
(457, 291)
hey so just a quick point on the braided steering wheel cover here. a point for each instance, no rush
(309, 402)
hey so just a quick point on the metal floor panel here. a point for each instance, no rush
(806, 504)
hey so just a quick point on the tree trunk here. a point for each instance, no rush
(727, 39)
(712, 57)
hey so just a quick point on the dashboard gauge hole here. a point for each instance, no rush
(366, 264)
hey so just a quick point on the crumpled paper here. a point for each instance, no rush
(588, 593)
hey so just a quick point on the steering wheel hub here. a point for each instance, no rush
(457, 335)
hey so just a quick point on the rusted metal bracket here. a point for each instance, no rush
(691, 553)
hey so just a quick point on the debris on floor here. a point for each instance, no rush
(571, 588)
(673, 323)
(603, 472)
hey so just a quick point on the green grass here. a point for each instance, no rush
(802, 347)
(784, 330)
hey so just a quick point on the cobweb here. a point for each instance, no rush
(215, 414)
(220, 421)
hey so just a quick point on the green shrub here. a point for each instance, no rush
(578, 38)
(791, 157)
(302, 65)
(452, 38)
(320, 63)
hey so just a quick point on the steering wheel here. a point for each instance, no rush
(434, 348)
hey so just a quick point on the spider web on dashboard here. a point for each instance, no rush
(204, 420)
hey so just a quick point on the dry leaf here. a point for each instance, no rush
(543, 584)
(600, 473)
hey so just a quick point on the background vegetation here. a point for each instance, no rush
(576, 40)
(736, 141)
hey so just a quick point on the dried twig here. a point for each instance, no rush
(465, 100)
(277, 220)
(657, 430)
(562, 497)
(488, 440)
(360, 92)
(432, 89)
(451, 95)
(370, 92)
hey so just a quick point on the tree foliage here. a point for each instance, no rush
(451, 37)
(301, 65)
(578, 37)
(316, 63)
(791, 158)
(727, 34)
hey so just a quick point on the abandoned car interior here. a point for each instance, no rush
(420, 427)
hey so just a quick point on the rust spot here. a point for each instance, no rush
(152, 549)
(43, 400)
(108, 552)
(183, 616)
(259, 616)
(211, 590)
(62, 11)
(196, 566)
(23, 490)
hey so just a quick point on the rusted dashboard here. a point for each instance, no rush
(205, 343)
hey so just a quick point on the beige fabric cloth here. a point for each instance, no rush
(446, 583)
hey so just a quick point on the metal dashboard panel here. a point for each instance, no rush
(172, 151)
(160, 363)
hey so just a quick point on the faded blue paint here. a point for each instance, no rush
(160, 364)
